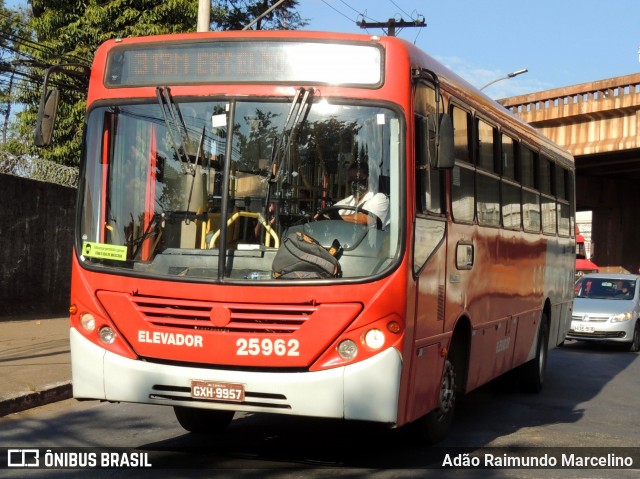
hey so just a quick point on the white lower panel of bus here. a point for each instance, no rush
(367, 390)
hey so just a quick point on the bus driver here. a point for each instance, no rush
(363, 197)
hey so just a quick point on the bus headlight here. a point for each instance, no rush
(347, 349)
(374, 338)
(88, 322)
(107, 335)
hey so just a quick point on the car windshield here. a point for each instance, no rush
(163, 188)
(605, 288)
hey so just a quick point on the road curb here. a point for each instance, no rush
(22, 402)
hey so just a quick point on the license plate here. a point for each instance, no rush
(215, 391)
(582, 328)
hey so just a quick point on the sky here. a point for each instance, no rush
(560, 42)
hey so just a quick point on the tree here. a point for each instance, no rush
(12, 27)
(66, 31)
(69, 32)
(236, 14)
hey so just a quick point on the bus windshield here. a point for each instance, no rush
(163, 189)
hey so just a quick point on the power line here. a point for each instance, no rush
(360, 14)
(400, 8)
(336, 10)
(389, 26)
(27, 42)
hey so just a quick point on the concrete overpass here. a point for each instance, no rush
(599, 123)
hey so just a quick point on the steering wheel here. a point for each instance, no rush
(333, 213)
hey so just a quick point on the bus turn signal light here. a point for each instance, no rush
(394, 327)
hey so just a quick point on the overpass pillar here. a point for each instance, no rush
(615, 232)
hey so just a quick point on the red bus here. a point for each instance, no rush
(315, 224)
(583, 264)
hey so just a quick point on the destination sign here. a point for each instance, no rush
(189, 63)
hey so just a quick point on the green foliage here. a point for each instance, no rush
(66, 31)
(76, 29)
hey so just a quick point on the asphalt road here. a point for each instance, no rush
(590, 400)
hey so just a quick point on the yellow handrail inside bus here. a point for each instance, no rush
(248, 214)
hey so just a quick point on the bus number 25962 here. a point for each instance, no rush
(267, 347)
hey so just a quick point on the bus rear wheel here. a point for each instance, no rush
(531, 374)
(203, 421)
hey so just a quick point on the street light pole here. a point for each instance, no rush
(510, 75)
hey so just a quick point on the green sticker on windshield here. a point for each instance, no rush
(104, 251)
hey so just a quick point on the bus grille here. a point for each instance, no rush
(233, 317)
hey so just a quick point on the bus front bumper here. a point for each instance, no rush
(367, 390)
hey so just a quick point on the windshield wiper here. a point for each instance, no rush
(176, 127)
(180, 139)
(193, 177)
(155, 226)
(280, 150)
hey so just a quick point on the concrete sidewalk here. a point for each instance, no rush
(35, 363)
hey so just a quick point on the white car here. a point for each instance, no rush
(606, 307)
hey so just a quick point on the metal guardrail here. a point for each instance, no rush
(39, 170)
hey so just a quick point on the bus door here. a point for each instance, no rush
(429, 259)
(429, 290)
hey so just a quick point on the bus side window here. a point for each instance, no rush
(463, 174)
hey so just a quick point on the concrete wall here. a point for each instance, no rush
(36, 238)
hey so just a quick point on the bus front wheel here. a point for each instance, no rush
(203, 421)
(435, 426)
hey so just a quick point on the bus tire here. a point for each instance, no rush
(531, 374)
(203, 421)
(434, 427)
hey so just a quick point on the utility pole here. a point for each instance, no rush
(204, 14)
(392, 24)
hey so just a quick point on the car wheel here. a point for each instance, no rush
(634, 345)
(203, 421)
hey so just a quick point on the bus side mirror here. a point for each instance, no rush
(50, 96)
(435, 142)
(46, 116)
(445, 157)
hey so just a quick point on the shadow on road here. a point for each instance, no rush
(491, 416)
(576, 373)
